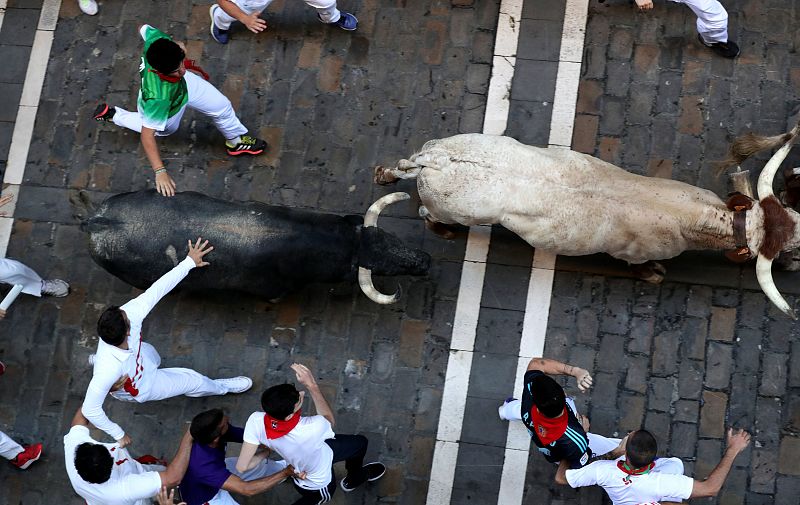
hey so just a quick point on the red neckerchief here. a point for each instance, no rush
(188, 65)
(548, 430)
(276, 428)
(630, 472)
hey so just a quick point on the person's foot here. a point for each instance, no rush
(346, 21)
(501, 407)
(217, 33)
(55, 287)
(28, 456)
(104, 112)
(88, 7)
(247, 145)
(236, 384)
(374, 472)
(727, 49)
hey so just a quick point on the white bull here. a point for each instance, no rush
(574, 204)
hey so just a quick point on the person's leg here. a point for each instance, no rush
(133, 121)
(601, 445)
(317, 496)
(209, 101)
(170, 382)
(8, 448)
(326, 10)
(351, 449)
(511, 410)
(13, 272)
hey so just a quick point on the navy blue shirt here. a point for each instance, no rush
(207, 471)
(572, 446)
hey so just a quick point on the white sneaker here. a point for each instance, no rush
(55, 287)
(88, 7)
(91, 359)
(236, 384)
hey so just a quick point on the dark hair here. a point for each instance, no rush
(165, 55)
(205, 425)
(111, 326)
(93, 462)
(548, 395)
(641, 448)
(279, 401)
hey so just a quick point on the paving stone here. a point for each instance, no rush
(712, 414)
(719, 365)
(788, 463)
(637, 376)
(723, 323)
(773, 378)
(768, 423)
(682, 440)
(744, 388)
(665, 350)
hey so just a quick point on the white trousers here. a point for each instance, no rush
(14, 272)
(599, 444)
(169, 382)
(265, 469)
(202, 97)
(712, 19)
(326, 9)
(8, 448)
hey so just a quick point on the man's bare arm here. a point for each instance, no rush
(306, 378)
(254, 487)
(176, 469)
(553, 367)
(164, 183)
(737, 442)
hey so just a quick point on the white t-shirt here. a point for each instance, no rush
(665, 482)
(130, 482)
(304, 447)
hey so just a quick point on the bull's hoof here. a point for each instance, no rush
(383, 176)
(441, 229)
(652, 272)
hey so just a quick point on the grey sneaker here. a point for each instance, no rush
(55, 287)
(236, 384)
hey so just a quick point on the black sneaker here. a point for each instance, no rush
(374, 472)
(727, 49)
(104, 112)
(247, 145)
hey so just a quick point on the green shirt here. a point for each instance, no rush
(159, 100)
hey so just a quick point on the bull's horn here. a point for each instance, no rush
(764, 186)
(365, 274)
(365, 281)
(371, 217)
(764, 276)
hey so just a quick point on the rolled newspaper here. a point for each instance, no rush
(11, 296)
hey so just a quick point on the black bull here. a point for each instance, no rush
(258, 249)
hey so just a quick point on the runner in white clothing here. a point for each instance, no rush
(106, 474)
(127, 368)
(632, 475)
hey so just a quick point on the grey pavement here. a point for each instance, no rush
(703, 351)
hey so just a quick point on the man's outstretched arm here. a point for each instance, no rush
(138, 308)
(553, 367)
(306, 378)
(258, 486)
(737, 442)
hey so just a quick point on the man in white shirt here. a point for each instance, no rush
(631, 474)
(127, 368)
(106, 474)
(306, 443)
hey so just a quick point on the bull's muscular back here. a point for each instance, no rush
(564, 201)
(258, 248)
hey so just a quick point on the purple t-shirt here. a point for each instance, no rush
(207, 471)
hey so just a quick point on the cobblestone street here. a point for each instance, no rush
(686, 359)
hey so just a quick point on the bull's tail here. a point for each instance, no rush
(748, 144)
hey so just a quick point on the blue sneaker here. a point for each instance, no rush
(217, 34)
(346, 21)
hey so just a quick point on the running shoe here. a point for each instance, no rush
(247, 145)
(727, 49)
(88, 7)
(374, 472)
(104, 112)
(346, 21)
(217, 33)
(55, 287)
(236, 384)
(29, 455)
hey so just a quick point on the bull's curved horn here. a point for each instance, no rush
(365, 274)
(764, 187)
(371, 217)
(764, 276)
(365, 281)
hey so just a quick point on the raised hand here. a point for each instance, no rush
(198, 250)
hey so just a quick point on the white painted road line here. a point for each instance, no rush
(540, 287)
(459, 364)
(26, 113)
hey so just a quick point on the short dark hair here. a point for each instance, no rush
(279, 401)
(165, 55)
(205, 425)
(548, 395)
(93, 462)
(111, 326)
(641, 448)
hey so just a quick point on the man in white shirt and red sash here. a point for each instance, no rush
(306, 443)
(127, 368)
(631, 474)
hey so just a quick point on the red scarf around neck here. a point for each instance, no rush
(548, 430)
(189, 65)
(630, 472)
(276, 428)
